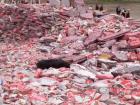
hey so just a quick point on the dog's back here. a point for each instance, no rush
(55, 63)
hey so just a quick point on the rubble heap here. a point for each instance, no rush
(24, 21)
(104, 56)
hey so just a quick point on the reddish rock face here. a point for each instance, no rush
(134, 42)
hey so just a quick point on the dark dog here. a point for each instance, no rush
(127, 15)
(118, 10)
(123, 12)
(55, 63)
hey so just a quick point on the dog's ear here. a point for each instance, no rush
(101, 7)
(96, 7)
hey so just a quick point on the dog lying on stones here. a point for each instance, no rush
(55, 63)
